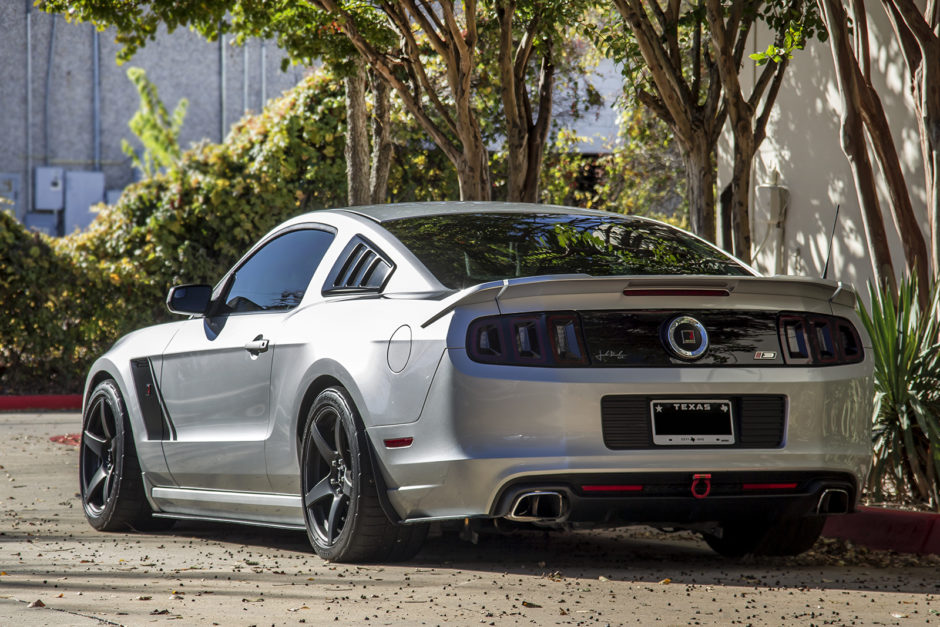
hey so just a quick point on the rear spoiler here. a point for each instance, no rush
(834, 292)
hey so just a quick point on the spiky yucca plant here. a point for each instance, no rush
(906, 417)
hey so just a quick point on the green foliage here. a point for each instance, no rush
(642, 174)
(794, 23)
(906, 421)
(156, 129)
(54, 312)
(65, 300)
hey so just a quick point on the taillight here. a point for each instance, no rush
(538, 339)
(818, 340)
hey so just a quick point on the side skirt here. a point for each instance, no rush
(255, 508)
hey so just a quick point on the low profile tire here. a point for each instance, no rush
(342, 512)
(785, 537)
(112, 487)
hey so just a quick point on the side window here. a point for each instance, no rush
(277, 275)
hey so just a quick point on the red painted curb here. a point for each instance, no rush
(47, 401)
(888, 529)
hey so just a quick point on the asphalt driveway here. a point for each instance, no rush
(235, 575)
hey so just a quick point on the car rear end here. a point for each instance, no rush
(579, 394)
(677, 400)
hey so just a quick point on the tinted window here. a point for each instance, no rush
(466, 249)
(276, 277)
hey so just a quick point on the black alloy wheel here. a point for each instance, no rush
(110, 479)
(342, 512)
(99, 455)
(329, 473)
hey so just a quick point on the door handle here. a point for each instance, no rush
(257, 346)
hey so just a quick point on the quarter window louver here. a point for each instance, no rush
(361, 267)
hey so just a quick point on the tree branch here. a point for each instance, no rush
(669, 83)
(760, 126)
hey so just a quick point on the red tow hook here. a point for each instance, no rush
(701, 485)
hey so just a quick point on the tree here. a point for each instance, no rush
(692, 55)
(306, 37)
(918, 34)
(863, 114)
(157, 130)
(680, 85)
(427, 52)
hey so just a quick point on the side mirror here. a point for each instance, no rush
(189, 299)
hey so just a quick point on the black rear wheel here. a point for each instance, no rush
(112, 486)
(342, 513)
(789, 536)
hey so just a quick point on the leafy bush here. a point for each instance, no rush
(64, 301)
(54, 312)
(906, 421)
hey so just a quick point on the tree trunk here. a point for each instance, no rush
(357, 139)
(927, 104)
(381, 141)
(740, 188)
(902, 211)
(724, 218)
(916, 31)
(538, 131)
(700, 183)
(473, 172)
(853, 143)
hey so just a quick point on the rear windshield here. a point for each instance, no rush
(470, 248)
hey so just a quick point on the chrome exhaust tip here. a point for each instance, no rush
(538, 506)
(833, 501)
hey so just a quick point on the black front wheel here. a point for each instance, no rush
(342, 513)
(111, 483)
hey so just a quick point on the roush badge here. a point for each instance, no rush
(685, 338)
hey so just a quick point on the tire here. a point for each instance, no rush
(785, 537)
(112, 487)
(342, 513)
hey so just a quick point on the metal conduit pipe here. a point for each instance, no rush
(46, 96)
(264, 77)
(244, 77)
(96, 97)
(221, 85)
(29, 106)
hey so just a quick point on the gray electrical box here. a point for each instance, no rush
(43, 221)
(10, 190)
(50, 189)
(83, 190)
(112, 196)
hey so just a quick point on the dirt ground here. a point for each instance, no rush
(234, 575)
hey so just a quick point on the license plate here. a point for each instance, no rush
(692, 422)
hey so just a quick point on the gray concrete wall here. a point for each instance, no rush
(181, 64)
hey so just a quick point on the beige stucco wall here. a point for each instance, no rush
(803, 145)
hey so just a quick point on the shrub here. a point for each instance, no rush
(53, 312)
(906, 420)
(65, 300)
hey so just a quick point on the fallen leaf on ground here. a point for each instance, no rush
(143, 598)
(159, 612)
(666, 580)
(36, 603)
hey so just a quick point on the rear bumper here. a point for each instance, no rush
(668, 498)
(486, 430)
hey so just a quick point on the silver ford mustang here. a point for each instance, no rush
(361, 373)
